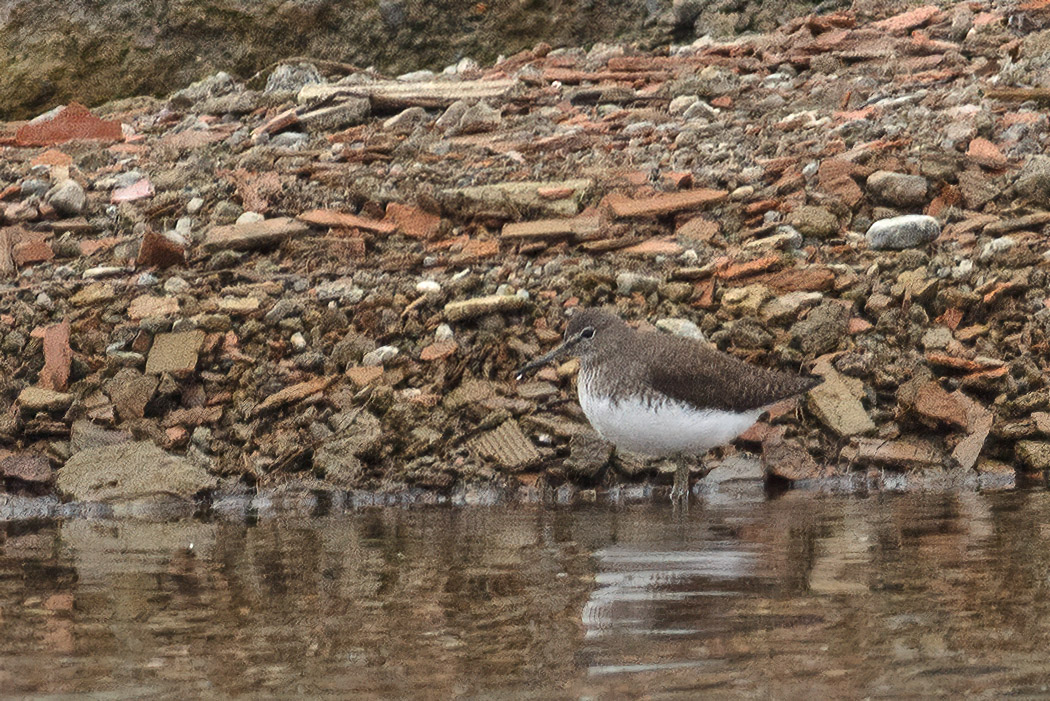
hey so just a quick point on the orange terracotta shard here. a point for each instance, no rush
(66, 124)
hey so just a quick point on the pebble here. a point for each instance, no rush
(443, 333)
(194, 205)
(681, 327)
(627, 283)
(379, 356)
(176, 285)
(428, 287)
(249, 218)
(898, 189)
(898, 233)
(67, 197)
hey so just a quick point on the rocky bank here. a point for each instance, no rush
(325, 282)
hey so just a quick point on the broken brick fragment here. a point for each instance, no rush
(74, 121)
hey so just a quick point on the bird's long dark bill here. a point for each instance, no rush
(542, 360)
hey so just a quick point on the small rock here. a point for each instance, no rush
(33, 399)
(588, 455)
(815, 221)
(67, 197)
(835, 403)
(898, 189)
(681, 327)
(627, 283)
(898, 233)
(822, 329)
(291, 77)
(1034, 455)
(481, 306)
(26, 467)
(128, 471)
(380, 356)
(175, 352)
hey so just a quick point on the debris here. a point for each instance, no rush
(245, 237)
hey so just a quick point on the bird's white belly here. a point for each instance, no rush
(663, 428)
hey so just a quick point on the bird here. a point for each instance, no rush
(663, 395)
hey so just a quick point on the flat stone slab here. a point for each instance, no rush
(480, 306)
(175, 352)
(252, 235)
(129, 471)
(40, 399)
(666, 204)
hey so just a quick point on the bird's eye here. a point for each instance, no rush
(587, 332)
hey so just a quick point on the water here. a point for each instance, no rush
(803, 596)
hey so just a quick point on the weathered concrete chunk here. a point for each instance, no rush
(130, 392)
(40, 399)
(904, 454)
(26, 467)
(836, 404)
(1034, 455)
(295, 393)
(811, 220)
(95, 293)
(129, 471)
(822, 329)
(512, 200)
(898, 189)
(666, 204)
(260, 234)
(588, 455)
(480, 306)
(899, 233)
(507, 446)
(175, 352)
(85, 435)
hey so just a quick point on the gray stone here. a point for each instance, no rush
(822, 329)
(347, 113)
(627, 282)
(33, 399)
(85, 435)
(380, 355)
(291, 77)
(67, 197)
(130, 471)
(451, 117)
(130, 392)
(588, 455)
(1034, 181)
(681, 327)
(221, 83)
(898, 189)
(478, 118)
(898, 233)
(814, 221)
(836, 404)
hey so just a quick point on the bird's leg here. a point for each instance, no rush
(680, 490)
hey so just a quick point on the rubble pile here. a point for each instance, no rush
(329, 282)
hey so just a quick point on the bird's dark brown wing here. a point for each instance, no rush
(691, 372)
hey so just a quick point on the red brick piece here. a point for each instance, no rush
(335, 219)
(412, 221)
(666, 203)
(71, 122)
(158, 251)
(57, 357)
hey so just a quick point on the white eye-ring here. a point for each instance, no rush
(587, 332)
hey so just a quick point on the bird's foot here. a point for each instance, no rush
(680, 490)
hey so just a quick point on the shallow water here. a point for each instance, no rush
(802, 596)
